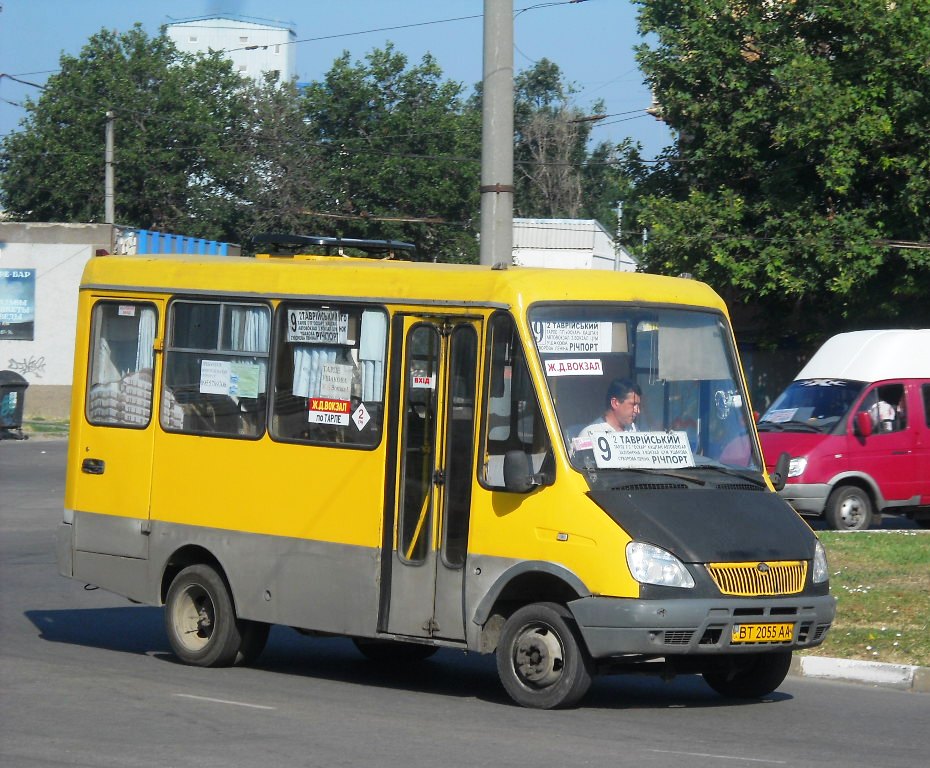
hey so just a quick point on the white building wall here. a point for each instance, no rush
(57, 253)
(253, 47)
(567, 244)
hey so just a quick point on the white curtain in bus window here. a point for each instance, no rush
(308, 368)
(120, 387)
(371, 354)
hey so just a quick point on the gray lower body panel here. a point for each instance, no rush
(614, 627)
(279, 580)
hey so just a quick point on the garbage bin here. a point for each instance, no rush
(12, 397)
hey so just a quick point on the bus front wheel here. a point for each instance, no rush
(751, 676)
(201, 622)
(541, 660)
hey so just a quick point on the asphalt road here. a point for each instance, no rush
(86, 679)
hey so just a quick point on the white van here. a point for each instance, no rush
(856, 422)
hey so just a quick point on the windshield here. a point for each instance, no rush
(644, 388)
(811, 405)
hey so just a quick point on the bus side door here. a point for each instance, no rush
(113, 459)
(435, 473)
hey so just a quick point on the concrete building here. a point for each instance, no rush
(40, 271)
(256, 46)
(568, 244)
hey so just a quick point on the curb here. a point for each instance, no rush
(903, 677)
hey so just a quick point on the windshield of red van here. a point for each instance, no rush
(811, 405)
(644, 388)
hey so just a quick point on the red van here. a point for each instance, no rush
(856, 423)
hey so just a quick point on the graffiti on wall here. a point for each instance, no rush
(28, 365)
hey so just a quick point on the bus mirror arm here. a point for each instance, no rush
(518, 475)
(780, 475)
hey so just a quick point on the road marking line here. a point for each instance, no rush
(720, 757)
(222, 701)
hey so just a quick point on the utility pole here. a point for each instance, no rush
(496, 244)
(109, 213)
(618, 243)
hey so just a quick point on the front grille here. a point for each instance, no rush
(757, 579)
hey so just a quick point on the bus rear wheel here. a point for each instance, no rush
(201, 622)
(541, 660)
(750, 677)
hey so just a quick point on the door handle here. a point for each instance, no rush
(93, 466)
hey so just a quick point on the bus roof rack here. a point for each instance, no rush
(295, 243)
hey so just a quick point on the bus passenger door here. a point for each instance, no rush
(113, 456)
(435, 472)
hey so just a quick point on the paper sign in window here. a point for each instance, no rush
(317, 326)
(215, 377)
(641, 450)
(592, 337)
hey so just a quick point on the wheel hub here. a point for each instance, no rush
(538, 657)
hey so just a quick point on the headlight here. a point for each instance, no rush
(652, 565)
(797, 466)
(819, 573)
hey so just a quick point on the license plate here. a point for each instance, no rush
(762, 633)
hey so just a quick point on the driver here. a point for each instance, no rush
(622, 407)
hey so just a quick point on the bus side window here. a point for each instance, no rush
(514, 419)
(329, 374)
(216, 368)
(119, 391)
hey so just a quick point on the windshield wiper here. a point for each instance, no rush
(800, 426)
(770, 426)
(662, 473)
(781, 426)
(754, 478)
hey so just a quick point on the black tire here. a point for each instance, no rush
(750, 677)
(254, 637)
(200, 619)
(393, 651)
(541, 660)
(849, 508)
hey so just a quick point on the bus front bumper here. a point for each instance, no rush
(614, 627)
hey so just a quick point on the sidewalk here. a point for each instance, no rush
(898, 676)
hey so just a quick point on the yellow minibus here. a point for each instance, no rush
(558, 467)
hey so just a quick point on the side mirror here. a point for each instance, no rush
(780, 476)
(518, 475)
(863, 424)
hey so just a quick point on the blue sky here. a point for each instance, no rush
(591, 41)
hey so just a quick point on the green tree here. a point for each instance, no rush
(176, 166)
(284, 176)
(803, 155)
(402, 154)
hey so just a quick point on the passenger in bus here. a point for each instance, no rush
(622, 407)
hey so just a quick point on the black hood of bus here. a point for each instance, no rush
(705, 525)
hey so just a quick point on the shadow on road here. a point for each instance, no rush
(453, 673)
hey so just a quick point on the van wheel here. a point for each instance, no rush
(200, 619)
(541, 660)
(849, 508)
(750, 677)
